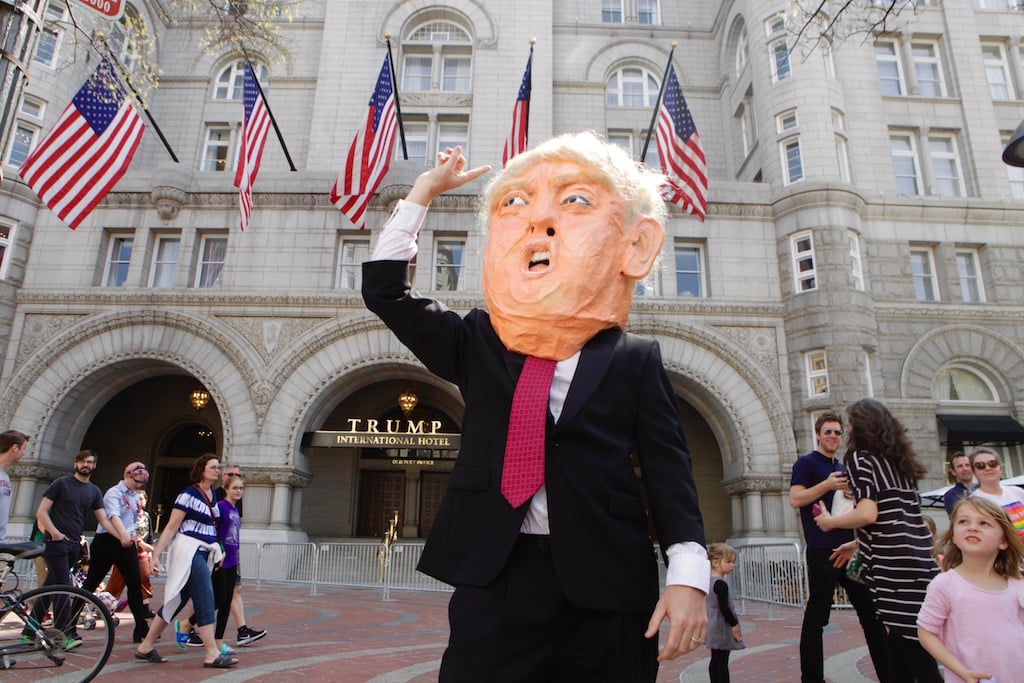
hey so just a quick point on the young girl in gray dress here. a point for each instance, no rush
(723, 633)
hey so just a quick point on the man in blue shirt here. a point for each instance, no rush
(960, 466)
(818, 476)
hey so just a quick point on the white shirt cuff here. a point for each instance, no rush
(688, 565)
(397, 241)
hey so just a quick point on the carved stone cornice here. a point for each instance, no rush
(277, 475)
(760, 483)
(983, 314)
(41, 471)
(172, 200)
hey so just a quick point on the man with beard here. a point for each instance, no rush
(61, 517)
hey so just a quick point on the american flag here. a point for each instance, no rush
(88, 150)
(515, 143)
(682, 158)
(370, 153)
(255, 127)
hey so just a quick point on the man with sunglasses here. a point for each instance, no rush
(818, 476)
(988, 470)
(123, 507)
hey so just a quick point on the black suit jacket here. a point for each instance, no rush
(620, 401)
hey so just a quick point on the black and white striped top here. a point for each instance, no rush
(897, 548)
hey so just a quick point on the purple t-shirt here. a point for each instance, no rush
(228, 527)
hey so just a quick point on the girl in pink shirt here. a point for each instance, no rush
(972, 619)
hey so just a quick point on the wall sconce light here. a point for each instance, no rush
(407, 400)
(199, 398)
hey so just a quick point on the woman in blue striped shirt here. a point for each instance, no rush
(192, 556)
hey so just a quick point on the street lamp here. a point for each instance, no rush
(1013, 153)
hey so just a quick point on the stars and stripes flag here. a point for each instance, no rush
(515, 143)
(682, 158)
(370, 154)
(255, 126)
(88, 149)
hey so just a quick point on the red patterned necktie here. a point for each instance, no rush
(523, 471)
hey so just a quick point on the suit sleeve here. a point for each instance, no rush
(665, 462)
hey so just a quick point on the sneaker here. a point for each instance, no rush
(248, 635)
(71, 642)
(193, 639)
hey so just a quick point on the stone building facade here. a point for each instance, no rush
(863, 239)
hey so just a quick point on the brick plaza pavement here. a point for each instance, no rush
(353, 636)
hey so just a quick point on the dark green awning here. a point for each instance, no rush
(971, 430)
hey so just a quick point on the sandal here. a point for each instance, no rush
(222, 662)
(180, 639)
(152, 656)
(225, 649)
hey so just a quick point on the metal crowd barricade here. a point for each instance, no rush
(772, 573)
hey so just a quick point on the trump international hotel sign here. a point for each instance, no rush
(390, 433)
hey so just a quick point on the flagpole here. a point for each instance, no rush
(398, 106)
(270, 113)
(657, 105)
(533, 41)
(142, 103)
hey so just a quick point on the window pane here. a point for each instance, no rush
(120, 259)
(218, 142)
(780, 55)
(456, 74)
(924, 287)
(688, 272)
(448, 262)
(611, 11)
(647, 12)
(165, 262)
(417, 72)
(350, 267)
(211, 267)
(21, 145)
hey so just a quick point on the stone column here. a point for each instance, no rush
(411, 523)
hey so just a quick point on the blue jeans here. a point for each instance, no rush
(198, 588)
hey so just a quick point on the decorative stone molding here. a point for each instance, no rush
(760, 483)
(168, 200)
(40, 328)
(951, 342)
(760, 342)
(269, 336)
(277, 475)
(41, 471)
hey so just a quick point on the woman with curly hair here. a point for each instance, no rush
(892, 539)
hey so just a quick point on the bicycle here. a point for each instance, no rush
(39, 634)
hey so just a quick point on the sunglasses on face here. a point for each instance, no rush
(830, 432)
(992, 464)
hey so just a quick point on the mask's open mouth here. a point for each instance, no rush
(540, 260)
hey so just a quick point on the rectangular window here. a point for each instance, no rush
(216, 148)
(611, 11)
(417, 72)
(922, 262)
(22, 138)
(890, 70)
(905, 163)
(212, 255)
(972, 290)
(997, 71)
(927, 69)
(6, 239)
(817, 373)
(351, 255)
(415, 142)
(842, 145)
(689, 270)
(855, 264)
(747, 128)
(786, 121)
(775, 24)
(452, 134)
(165, 262)
(869, 384)
(647, 12)
(48, 47)
(946, 165)
(780, 60)
(623, 139)
(804, 272)
(119, 257)
(455, 74)
(449, 265)
(792, 161)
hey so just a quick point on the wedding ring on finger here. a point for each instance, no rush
(696, 640)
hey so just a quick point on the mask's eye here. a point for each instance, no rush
(514, 200)
(577, 199)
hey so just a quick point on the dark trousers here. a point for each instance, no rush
(521, 628)
(224, 581)
(106, 552)
(718, 669)
(822, 579)
(909, 662)
(60, 557)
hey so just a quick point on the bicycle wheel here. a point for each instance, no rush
(55, 633)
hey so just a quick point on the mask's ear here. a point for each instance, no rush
(647, 236)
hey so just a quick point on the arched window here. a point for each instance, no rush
(741, 51)
(125, 36)
(959, 383)
(229, 83)
(631, 86)
(438, 56)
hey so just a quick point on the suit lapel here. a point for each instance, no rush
(594, 361)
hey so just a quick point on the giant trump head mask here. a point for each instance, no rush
(572, 225)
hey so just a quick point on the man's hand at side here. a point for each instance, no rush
(687, 612)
